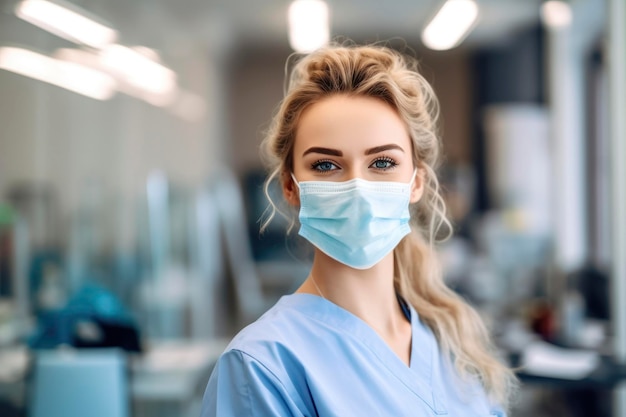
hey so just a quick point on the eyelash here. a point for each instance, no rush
(392, 164)
(316, 165)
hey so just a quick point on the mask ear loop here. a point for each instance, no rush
(295, 180)
(410, 182)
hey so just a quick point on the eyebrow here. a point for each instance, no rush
(336, 152)
(382, 148)
(325, 151)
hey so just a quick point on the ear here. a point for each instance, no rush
(290, 189)
(417, 189)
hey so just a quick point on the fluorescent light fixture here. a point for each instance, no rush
(80, 56)
(556, 14)
(155, 82)
(137, 74)
(66, 21)
(451, 24)
(71, 76)
(309, 27)
(189, 106)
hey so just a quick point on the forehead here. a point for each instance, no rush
(350, 124)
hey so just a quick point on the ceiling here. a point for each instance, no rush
(375, 19)
(246, 21)
(178, 28)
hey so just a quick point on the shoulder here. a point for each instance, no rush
(276, 326)
(242, 386)
(261, 371)
(275, 339)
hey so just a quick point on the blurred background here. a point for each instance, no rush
(131, 189)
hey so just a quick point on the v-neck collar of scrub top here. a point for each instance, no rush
(421, 376)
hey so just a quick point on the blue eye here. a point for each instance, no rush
(384, 164)
(324, 166)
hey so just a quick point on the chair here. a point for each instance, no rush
(79, 383)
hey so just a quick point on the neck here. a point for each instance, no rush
(368, 294)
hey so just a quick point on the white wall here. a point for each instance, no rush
(73, 143)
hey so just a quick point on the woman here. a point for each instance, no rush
(373, 330)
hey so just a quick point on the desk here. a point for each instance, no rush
(14, 363)
(168, 379)
(607, 375)
(583, 397)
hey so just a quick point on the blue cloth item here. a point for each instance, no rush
(92, 304)
(356, 222)
(309, 357)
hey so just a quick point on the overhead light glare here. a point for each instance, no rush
(556, 14)
(450, 25)
(156, 83)
(189, 106)
(66, 21)
(79, 56)
(309, 27)
(138, 69)
(67, 75)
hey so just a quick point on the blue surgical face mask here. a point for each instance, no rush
(355, 222)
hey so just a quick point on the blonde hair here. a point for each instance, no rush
(384, 74)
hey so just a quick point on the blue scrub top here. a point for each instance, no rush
(309, 357)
